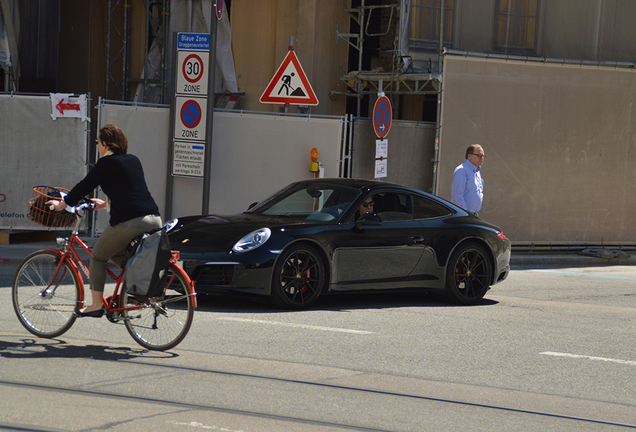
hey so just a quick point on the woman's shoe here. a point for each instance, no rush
(95, 314)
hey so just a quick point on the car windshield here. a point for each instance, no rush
(311, 201)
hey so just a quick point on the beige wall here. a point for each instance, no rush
(411, 148)
(260, 40)
(559, 143)
(570, 29)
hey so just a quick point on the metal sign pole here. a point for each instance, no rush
(207, 167)
(169, 178)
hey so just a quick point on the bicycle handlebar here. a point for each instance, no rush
(87, 204)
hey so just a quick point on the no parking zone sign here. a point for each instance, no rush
(191, 118)
(382, 116)
(190, 104)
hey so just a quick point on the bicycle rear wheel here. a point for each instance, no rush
(43, 297)
(160, 323)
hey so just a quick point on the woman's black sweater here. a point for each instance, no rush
(121, 177)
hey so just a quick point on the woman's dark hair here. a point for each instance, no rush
(114, 138)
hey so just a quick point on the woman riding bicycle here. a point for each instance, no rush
(132, 209)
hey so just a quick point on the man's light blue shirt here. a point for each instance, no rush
(468, 187)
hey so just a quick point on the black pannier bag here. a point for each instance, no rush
(147, 264)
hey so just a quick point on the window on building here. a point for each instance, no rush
(425, 22)
(517, 24)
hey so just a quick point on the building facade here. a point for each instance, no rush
(545, 86)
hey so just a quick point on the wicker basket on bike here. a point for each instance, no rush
(41, 214)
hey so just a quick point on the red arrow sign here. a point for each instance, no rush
(61, 107)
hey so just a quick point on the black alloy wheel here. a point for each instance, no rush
(468, 275)
(299, 278)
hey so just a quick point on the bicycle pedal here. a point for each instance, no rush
(114, 317)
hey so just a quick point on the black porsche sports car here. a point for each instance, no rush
(316, 236)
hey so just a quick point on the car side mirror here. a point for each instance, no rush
(251, 206)
(368, 220)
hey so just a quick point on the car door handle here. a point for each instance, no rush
(415, 239)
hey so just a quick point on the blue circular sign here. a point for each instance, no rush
(382, 115)
(219, 9)
(191, 114)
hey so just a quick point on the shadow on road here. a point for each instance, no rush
(238, 303)
(51, 348)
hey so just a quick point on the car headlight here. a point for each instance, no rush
(252, 240)
(171, 224)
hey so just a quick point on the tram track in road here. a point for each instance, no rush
(277, 379)
(287, 419)
(181, 405)
(194, 406)
(524, 373)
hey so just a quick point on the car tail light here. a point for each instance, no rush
(501, 235)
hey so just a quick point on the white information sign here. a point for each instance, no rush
(188, 158)
(381, 148)
(381, 154)
(380, 168)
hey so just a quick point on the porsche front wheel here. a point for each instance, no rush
(299, 278)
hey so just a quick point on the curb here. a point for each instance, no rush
(581, 259)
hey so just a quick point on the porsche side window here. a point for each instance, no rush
(392, 207)
(315, 203)
(427, 209)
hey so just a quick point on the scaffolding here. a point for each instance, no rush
(118, 49)
(401, 79)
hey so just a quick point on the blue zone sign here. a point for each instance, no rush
(193, 41)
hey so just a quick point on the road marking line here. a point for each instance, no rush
(584, 274)
(331, 329)
(563, 304)
(557, 354)
(203, 426)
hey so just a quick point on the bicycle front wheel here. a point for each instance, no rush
(160, 323)
(45, 293)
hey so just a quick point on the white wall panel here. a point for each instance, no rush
(253, 154)
(35, 151)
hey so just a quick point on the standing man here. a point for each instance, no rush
(468, 187)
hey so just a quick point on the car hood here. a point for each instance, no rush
(214, 233)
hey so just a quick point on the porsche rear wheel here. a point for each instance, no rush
(299, 278)
(468, 275)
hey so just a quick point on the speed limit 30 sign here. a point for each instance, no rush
(193, 74)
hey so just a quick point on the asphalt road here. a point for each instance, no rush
(549, 349)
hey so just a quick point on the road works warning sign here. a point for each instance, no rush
(289, 84)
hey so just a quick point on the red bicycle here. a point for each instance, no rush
(48, 286)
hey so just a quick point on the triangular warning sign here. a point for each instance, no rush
(289, 84)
